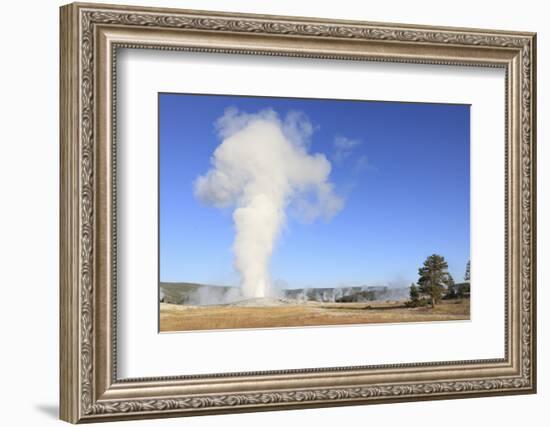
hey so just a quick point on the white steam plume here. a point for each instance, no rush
(261, 166)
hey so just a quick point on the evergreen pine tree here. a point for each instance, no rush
(414, 294)
(451, 288)
(433, 277)
(467, 274)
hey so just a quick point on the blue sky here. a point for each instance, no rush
(402, 169)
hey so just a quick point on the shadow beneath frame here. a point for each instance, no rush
(50, 410)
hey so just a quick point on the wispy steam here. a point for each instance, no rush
(343, 147)
(261, 166)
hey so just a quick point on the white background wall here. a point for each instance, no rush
(29, 170)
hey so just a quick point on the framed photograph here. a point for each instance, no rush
(266, 212)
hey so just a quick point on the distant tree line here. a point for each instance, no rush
(435, 283)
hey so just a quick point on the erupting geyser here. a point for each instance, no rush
(262, 166)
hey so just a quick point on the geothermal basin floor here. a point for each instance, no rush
(274, 313)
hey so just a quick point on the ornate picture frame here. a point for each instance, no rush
(90, 37)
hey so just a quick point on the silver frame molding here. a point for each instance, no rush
(90, 37)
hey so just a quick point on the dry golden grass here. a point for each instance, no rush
(186, 318)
